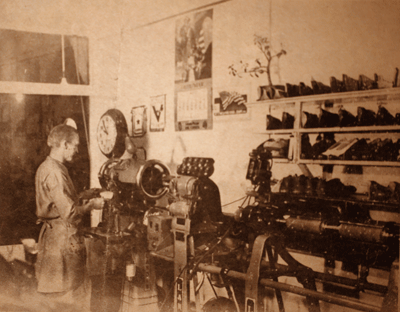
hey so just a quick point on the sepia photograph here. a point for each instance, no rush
(199, 155)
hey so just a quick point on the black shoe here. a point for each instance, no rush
(292, 90)
(336, 85)
(286, 185)
(365, 117)
(386, 150)
(273, 123)
(319, 87)
(365, 83)
(346, 119)
(350, 84)
(328, 119)
(379, 192)
(299, 184)
(304, 89)
(384, 118)
(287, 121)
(306, 149)
(310, 120)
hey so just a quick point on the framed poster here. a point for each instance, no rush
(157, 113)
(139, 121)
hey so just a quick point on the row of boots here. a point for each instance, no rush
(302, 185)
(345, 85)
(389, 193)
(287, 122)
(365, 117)
(360, 149)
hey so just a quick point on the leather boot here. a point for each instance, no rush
(299, 184)
(379, 192)
(346, 119)
(310, 120)
(319, 87)
(349, 83)
(365, 117)
(306, 149)
(336, 85)
(328, 119)
(287, 121)
(292, 90)
(286, 185)
(273, 123)
(304, 89)
(384, 118)
(365, 83)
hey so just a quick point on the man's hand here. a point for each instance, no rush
(97, 203)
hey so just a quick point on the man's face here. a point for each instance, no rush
(71, 149)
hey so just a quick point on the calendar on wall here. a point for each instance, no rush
(193, 107)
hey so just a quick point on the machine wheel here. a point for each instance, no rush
(220, 304)
(150, 179)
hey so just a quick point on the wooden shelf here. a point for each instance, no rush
(394, 128)
(350, 162)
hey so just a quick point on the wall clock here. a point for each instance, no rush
(111, 133)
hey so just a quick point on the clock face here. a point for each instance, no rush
(111, 133)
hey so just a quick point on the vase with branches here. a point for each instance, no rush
(264, 45)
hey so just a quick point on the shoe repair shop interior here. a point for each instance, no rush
(278, 190)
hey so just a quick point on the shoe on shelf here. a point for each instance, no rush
(384, 118)
(365, 117)
(328, 119)
(287, 121)
(273, 123)
(319, 87)
(370, 152)
(386, 150)
(382, 82)
(336, 85)
(304, 89)
(350, 84)
(310, 120)
(365, 83)
(286, 185)
(306, 148)
(346, 119)
(395, 188)
(292, 90)
(379, 192)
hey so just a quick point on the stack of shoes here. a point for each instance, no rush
(328, 119)
(384, 118)
(346, 119)
(365, 117)
(379, 192)
(319, 87)
(334, 188)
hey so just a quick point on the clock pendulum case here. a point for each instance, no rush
(111, 133)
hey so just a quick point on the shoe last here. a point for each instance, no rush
(328, 119)
(310, 120)
(383, 117)
(287, 121)
(365, 117)
(346, 119)
(336, 85)
(304, 89)
(350, 83)
(273, 123)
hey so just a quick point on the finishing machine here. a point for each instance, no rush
(169, 233)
